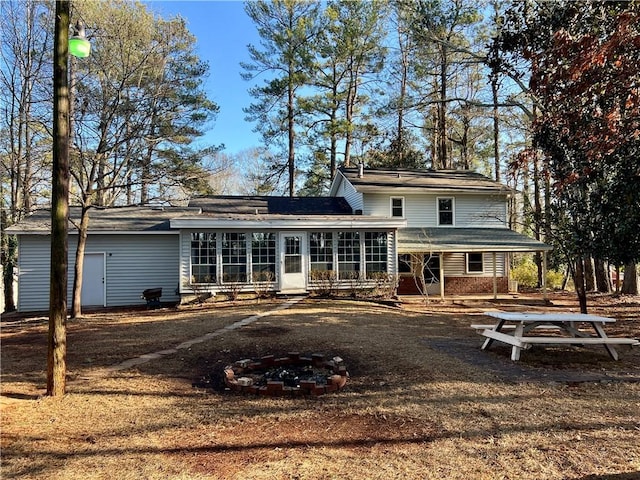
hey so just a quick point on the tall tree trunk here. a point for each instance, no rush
(589, 275)
(57, 336)
(76, 306)
(496, 127)
(578, 280)
(9, 253)
(537, 213)
(291, 136)
(630, 283)
(603, 279)
(442, 113)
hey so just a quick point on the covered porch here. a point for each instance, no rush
(473, 255)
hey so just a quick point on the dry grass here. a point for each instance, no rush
(422, 402)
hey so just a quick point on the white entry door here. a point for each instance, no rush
(292, 262)
(93, 280)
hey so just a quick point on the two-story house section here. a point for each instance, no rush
(456, 225)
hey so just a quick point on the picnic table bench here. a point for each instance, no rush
(518, 330)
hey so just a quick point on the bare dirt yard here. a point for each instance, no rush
(422, 401)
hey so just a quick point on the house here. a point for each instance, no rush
(456, 225)
(373, 224)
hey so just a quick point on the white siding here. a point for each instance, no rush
(350, 194)
(480, 211)
(455, 265)
(421, 210)
(133, 264)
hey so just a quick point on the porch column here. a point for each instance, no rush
(441, 275)
(544, 275)
(495, 276)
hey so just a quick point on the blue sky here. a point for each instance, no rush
(223, 31)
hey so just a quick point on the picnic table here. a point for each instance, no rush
(519, 329)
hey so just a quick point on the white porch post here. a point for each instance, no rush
(495, 277)
(441, 275)
(544, 275)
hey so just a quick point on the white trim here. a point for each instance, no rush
(45, 233)
(453, 212)
(303, 275)
(466, 264)
(404, 207)
(297, 223)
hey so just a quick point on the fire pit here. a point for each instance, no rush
(292, 375)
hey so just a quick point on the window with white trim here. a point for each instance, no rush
(445, 211)
(234, 257)
(397, 207)
(263, 256)
(348, 255)
(375, 248)
(203, 257)
(321, 251)
(475, 263)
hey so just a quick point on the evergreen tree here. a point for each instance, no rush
(288, 30)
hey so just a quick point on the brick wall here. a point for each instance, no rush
(457, 286)
(465, 285)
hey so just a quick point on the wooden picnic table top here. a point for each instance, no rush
(528, 317)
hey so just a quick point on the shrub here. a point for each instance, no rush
(525, 272)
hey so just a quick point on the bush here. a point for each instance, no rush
(525, 272)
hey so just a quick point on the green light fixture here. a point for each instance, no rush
(79, 46)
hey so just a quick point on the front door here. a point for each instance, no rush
(93, 280)
(292, 262)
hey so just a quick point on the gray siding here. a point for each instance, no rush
(133, 264)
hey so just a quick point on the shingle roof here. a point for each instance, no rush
(114, 219)
(466, 240)
(376, 180)
(261, 205)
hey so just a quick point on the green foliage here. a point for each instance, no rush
(525, 272)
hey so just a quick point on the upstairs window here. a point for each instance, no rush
(397, 207)
(475, 263)
(445, 211)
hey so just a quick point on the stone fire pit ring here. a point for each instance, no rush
(293, 375)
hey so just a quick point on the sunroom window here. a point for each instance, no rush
(321, 251)
(234, 257)
(203, 257)
(375, 244)
(348, 255)
(263, 256)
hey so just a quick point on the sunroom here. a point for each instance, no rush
(284, 253)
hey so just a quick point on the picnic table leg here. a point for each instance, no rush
(515, 351)
(600, 331)
(487, 343)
